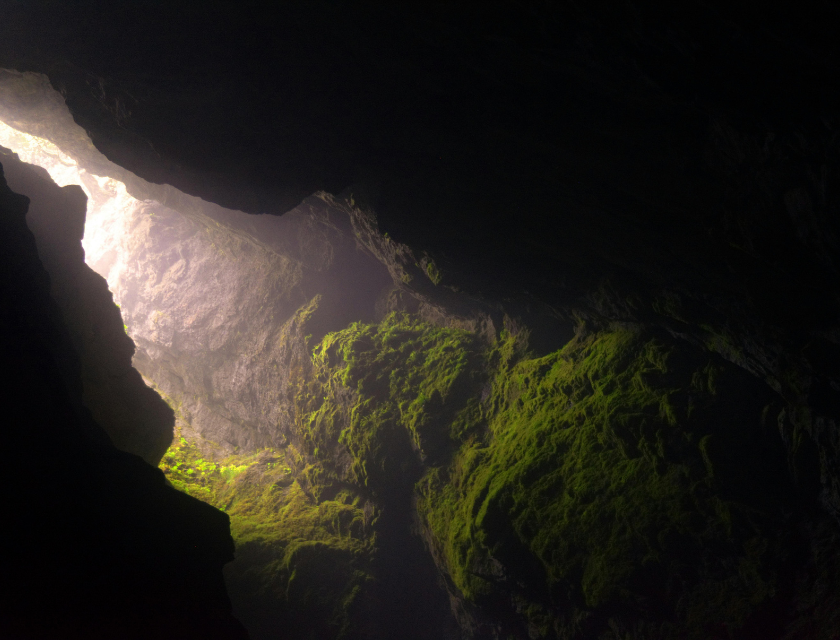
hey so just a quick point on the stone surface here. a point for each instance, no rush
(133, 415)
(216, 311)
(100, 546)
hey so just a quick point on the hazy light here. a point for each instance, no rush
(109, 210)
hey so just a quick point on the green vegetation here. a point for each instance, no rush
(206, 480)
(390, 394)
(619, 483)
(598, 483)
(433, 272)
(302, 561)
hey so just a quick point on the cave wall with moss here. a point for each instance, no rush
(399, 456)
(626, 485)
(677, 167)
(589, 387)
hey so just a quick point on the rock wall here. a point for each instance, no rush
(134, 416)
(215, 310)
(628, 484)
(102, 547)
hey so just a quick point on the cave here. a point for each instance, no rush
(344, 320)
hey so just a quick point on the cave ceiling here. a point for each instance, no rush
(526, 145)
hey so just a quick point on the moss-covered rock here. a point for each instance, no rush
(626, 485)
(302, 564)
(618, 486)
(389, 394)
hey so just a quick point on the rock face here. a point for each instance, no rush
(672, 168)
(103, 548)
(626, 484)
(215, 310)
(135, 417)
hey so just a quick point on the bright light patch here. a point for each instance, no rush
(109, 211)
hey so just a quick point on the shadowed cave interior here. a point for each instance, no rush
(343, 421)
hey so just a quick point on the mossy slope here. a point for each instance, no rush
(301, 563)
(388, 394)
(618, 486)
(626, 485)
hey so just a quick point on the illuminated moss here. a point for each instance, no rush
(599, 483)
(301, 562)
(433, 272)
(391, 394)
(614, 484)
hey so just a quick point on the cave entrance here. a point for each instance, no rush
(216, 300)
(224, 310)
(110, 209)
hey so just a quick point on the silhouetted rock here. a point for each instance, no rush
(99, 546)
(135, 417)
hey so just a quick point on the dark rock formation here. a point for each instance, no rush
(98, 545)
(135, 417)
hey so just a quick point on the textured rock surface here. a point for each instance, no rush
(627, 484)
(213, 309)
(102, 547)
(134, 416)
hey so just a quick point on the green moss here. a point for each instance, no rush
(299, 559)
(610, 478)
(186, 468)
(594, 482)
(433, 272)
(388, 394)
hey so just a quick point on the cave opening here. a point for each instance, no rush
(224, 310)
(109, 211)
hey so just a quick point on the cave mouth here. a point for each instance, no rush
(109, 212)
(213, 299)
(371, 449)
(224, 310)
